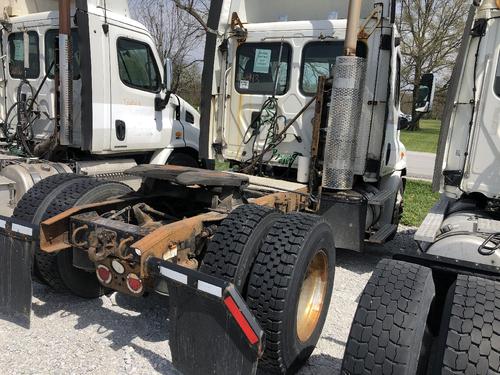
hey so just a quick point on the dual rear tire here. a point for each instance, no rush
(283, 265)
(469, 341)
(391, 331)
(49, 198)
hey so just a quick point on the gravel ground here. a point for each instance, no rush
(123, 335)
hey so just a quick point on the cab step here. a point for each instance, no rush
(382, 197)
(428, 231)
(381, 236)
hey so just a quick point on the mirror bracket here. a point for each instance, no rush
(161, 104)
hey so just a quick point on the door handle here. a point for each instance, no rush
(121, 130)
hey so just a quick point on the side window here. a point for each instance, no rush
(16, 59)
(497, 78)
(318, 59)
(259, 65)
(137, 65)
(50, 46)
(189, 117)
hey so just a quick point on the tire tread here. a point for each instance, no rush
(223, 255)
(472, 344)
(386, 319)
(270, 279)
(66, 199)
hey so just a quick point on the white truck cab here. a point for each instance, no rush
(452, 279)
(267, 49)
(470, 141)
(121, 103)
(264, 109)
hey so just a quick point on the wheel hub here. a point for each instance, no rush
(312, 296)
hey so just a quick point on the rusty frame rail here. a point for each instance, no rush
(55, 232)
(54, 235)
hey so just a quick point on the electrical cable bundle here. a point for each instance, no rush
(18, 124)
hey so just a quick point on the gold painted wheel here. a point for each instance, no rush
(312, 296)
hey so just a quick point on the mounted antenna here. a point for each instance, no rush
(105, 25)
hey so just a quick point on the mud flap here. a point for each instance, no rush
(17, 245)
(212, 331)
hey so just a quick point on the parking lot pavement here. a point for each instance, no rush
(121, 335)
(421, 165)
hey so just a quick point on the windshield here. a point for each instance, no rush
(258, 66)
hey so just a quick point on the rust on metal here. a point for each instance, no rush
(364, 32)
(158, 242)
(283, 201)
(318, 115)
(238, 28)
(119, 281)
(54, 235)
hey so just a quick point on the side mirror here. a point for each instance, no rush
(161, 104)
(404, 122)
(169, 75)
(426, 92)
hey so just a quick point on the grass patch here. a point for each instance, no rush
(221, 166)
(419, 199)
(424, 140)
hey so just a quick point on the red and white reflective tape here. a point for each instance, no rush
(174, 275)
(16, 226)
(214, 288)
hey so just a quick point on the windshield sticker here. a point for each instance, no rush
(262, 61)
(18, 49)
(244, 85)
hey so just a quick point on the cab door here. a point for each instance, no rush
(481, 172)
(136, 81)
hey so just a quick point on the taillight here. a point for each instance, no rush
(134, 283)
(104, 274)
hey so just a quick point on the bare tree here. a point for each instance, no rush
(430, 37)
(178, 36)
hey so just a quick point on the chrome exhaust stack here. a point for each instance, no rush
(345, 109)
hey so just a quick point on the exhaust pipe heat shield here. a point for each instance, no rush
(343, 122)
(17, 244)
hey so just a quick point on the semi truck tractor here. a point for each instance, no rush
(438, 310)
(83, 90)
(302, 100)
